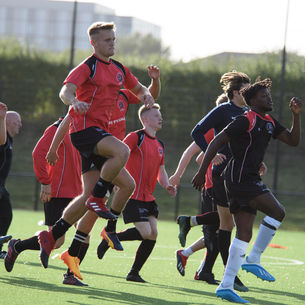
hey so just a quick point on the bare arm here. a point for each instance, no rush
(164, 182)
(185, 159)
(3, 110)
(143, 94)
(217, 142)
(155, 85)
(67, 95)
(61, 132)
(292, 136)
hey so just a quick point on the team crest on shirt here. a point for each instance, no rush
(269, 127)
(121, 105)
(119, 78)
(160, 151)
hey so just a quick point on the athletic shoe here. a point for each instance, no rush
(206, 277)
(181, 262)
(72, 262)
(112, 239)
(98, 206)
(47, 244)
(239, 286)
(5, 239)
(184, 227)
(102, 249)
(2, 254)
(257, 270)
(11, 255)
(230, 295)
(134, 277)
(70, 279)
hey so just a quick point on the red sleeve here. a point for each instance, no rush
(209, 136)
(78, 75)
(41, 166)
(132, 99)
(130, 80)
(131, 140)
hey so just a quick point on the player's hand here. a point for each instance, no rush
(45, 193)
(172, 190)
(295, 105)
(198, 181)
(218, 159)
(263, 169)
(80, 107)
(52, 157)
(3, 110)
(148, 100)
(153, 72)
(174, 180)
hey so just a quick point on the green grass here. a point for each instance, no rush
(29, 283)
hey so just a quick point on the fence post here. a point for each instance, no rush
(177, 202)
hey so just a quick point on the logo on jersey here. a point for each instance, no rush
(269, 127)
(160, 151)
(121, 105)
(119, 78)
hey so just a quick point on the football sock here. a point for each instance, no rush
(101, 188)
(209, 261)
(60, 228)
(224, 240)
(27, 244)
(237, 254)
(111, 224)
(193, 221)
(78, 240)
(143, 253)
(209, 218)
(129, 234)
(265, 234)
(187, 252)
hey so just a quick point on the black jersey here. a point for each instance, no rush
(6, 154)
(249, 137)
(218, 118)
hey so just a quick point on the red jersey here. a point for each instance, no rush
(98, 83)
(117, 124)
(146, 157)
(65, 176)
(208, 176)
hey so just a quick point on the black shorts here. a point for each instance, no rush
(240, 194)
(207, 203)
(85, 142)
(219, 192)
(54, 208)
(139, 211)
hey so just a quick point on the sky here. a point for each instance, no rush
(199, 28)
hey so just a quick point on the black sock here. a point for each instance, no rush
(210, 259)
(129, 234)
(224, 240)
(60, 228)
(27, 244)
(101, 188)
(81, 254)
(111, 225)
(78, 240)
(143, 252)
(209, 218)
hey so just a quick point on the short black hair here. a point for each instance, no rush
(249, 92)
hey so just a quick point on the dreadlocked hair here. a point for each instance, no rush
(249, 92)
(233, 80)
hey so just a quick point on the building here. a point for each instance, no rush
(47, 24)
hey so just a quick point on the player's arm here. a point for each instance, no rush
(155, 85)
(40, 163)
(185, 159)
(60, 134)
(292, 136)
(143, 94)
(220, 140)
(3, 110)
(164, 182)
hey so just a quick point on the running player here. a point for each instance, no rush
(146, 165)
(249, 136)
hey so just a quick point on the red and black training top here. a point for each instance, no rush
(98, 83)
(249, 138)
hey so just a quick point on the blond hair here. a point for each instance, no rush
(143, 109)
(96, 27)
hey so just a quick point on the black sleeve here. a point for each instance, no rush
(237, 127)
(278, 129)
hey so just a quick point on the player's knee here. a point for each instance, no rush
(282, 214)
(123, 153)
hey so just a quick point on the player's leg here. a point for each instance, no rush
(6, 215)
